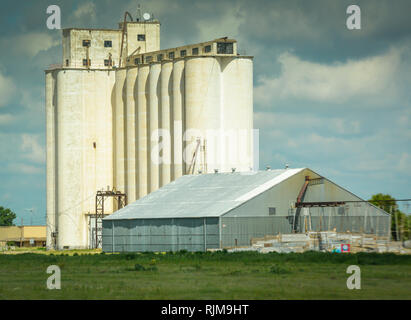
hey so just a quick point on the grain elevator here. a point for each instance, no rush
(125, 118)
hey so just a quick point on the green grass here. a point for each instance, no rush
(219, 275)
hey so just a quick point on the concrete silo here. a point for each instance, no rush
(79, 151)
(136, 127)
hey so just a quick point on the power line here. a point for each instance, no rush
(369, 201)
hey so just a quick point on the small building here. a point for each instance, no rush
(23, 236)
(221, 210)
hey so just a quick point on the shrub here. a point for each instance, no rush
(139, 267)
(130, 256)
(152, 268)
(276, 269)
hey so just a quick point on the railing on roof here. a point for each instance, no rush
(54, 66)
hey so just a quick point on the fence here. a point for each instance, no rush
(352, 218)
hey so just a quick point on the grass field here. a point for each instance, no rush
(219, 275)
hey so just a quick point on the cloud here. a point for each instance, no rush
(226, 23)
(6, 119)
(315, 140)
(33, 150)
(85, 11)
(7, 89)
(307, 122)
(31, 98)
(24, 168)
(30, 44)
(371, 78)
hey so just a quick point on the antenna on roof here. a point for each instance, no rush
(138, 18)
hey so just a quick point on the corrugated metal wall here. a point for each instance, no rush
(191, 234)
(238, 231)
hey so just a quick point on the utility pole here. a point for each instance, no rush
(395, 222)
(31, 215)
(21, 232)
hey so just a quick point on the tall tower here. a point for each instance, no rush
(106, 121)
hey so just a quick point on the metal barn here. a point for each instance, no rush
(211, 211)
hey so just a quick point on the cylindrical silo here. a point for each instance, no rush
(154, 120)
(203, 117)
(131, 84)
(90, 119)
(142, 129)
(81, 152)
(166, 118)
(237, 112)
(120, 131)
(51, 89)
(71, 222)
(178, 118)
(101, 141)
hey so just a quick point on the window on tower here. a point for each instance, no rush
(225, 47)
(183, 53)
(86, 43)
(108, 44)
(141, 37)
(207, 49)
(194, 51)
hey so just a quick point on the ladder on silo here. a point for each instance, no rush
(194, 159)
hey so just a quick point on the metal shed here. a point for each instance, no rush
(210, 211)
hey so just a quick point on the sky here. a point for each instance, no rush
(335, 100)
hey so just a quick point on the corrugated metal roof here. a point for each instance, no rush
(203, 195)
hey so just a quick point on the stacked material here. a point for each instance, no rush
(327, 241)
(282, 243)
